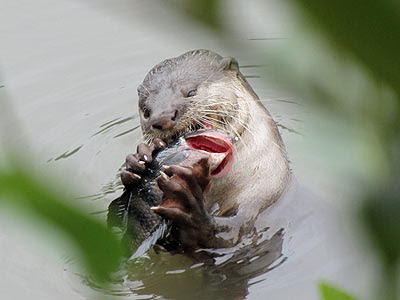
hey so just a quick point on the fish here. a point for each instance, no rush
(131, 212)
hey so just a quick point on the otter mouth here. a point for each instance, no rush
(212, 124)
(218, 146)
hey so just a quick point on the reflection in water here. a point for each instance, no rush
(287, 128)
(126, 132)
(112, 186)
(288, 101)
(107, 189)
(112, 126)
(205, 274)
(67, 154)
(108, 125)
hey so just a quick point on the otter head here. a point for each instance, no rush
(186, 93)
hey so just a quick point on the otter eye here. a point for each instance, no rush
(191, 93)
(146, 112)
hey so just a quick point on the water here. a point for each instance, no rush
(70, 70)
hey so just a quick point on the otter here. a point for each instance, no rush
(196, 90)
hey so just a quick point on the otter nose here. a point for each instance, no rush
(165, 122)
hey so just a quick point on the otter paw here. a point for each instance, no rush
(135, 163)
(183, 203)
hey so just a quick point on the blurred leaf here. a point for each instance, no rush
(368, 29)
(354, 116)
(100, 249)
(381, 215)
(205, 11)
(329, 292)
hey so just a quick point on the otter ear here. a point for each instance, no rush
(229, 63)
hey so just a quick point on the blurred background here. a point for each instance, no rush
(327, 72)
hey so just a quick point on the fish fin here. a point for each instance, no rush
(147, 244)
(117, 210)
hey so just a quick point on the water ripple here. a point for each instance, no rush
(112, 123)
(67, 153)
(126, 132)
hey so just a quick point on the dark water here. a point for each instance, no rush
(70, 70)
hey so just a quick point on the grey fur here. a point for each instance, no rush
(225, 100)
(165, 88)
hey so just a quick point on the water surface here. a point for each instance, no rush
(70, 71)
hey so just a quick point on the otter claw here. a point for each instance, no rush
(129, 178)
(133, 164)
(144, 152)
(163, 175)
(159, 144)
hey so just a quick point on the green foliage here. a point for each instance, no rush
(356, 78)
(100, 249)
(328, 292)
(380, 213)
(381, 216)
(362, 33)
(205, 11)
(368, 29)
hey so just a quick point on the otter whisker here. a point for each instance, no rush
(245, 126)
(212, 120)
(238, 120)
(237, 134)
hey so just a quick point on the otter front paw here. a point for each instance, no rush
(136, 163)
(183, 203)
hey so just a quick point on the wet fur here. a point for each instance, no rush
(225, 99)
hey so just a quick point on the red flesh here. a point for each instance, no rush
(214, 142)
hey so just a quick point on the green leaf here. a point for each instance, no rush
(205, 11)
(380, 213)
(368, 29)
(100, 249)
(329, 292)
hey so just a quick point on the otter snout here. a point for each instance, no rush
(164, 122)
